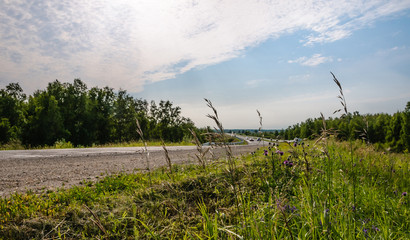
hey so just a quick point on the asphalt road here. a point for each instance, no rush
(80, 152)
(42, 170)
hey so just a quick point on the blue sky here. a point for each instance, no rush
(274, 56)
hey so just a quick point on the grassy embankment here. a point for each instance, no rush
(323, 190)
(64, 144)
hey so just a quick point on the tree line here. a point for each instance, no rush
(385, 131)
(72, 112)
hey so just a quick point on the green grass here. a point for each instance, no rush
(312, 198)
(63, 144)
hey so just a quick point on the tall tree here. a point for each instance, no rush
(405, 130)
(12, 112)
(45, 124)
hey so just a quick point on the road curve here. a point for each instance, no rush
(40, 170)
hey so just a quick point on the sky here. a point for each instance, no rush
(244, 55)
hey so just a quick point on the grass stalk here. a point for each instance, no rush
(201, 155)
(168, 159)
(260, 128)
(232, 170)
(350, 139)
(146, 152)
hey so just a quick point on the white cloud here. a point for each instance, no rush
(315, 60)
(299, 78)
(386, 52)
(128, 43)
(255, 82)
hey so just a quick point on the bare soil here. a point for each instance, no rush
(40, 174)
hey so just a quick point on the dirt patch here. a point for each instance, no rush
(47, 173)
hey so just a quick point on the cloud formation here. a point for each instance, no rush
(315, 60)
(129, 43)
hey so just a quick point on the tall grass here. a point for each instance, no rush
(146, 152)
(350, 138)
(260, 127)
(290, 202)
(320, 189)
(201, 155)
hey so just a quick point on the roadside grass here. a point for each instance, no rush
(66, 144)
(286, 191)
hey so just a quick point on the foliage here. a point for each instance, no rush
(387, 132)
(85, 117)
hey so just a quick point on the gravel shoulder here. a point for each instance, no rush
(41, 170)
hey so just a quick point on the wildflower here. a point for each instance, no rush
(265, 152)
(279, 152)
(295, 144)
(290, 209)
(404, 194)
(375, 229)
(288, 163)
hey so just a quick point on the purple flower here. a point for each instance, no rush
(375, 228)
(295, 144)
(290, 209)
(265, 152)
(279, 152)
(288, 163)
(404, 194)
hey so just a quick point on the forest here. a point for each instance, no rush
(73, 113)
(84, 117)
(385, 131)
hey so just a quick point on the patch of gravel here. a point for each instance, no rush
(43, 173)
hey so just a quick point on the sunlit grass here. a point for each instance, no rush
(63, 144)
(278, 201)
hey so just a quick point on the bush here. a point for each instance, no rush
(63, 144)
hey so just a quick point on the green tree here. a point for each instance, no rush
(405, 130)
(5, 130)
(125, 115)
(101, 108)
(393, 133)
(12, 112)
(45, 124)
